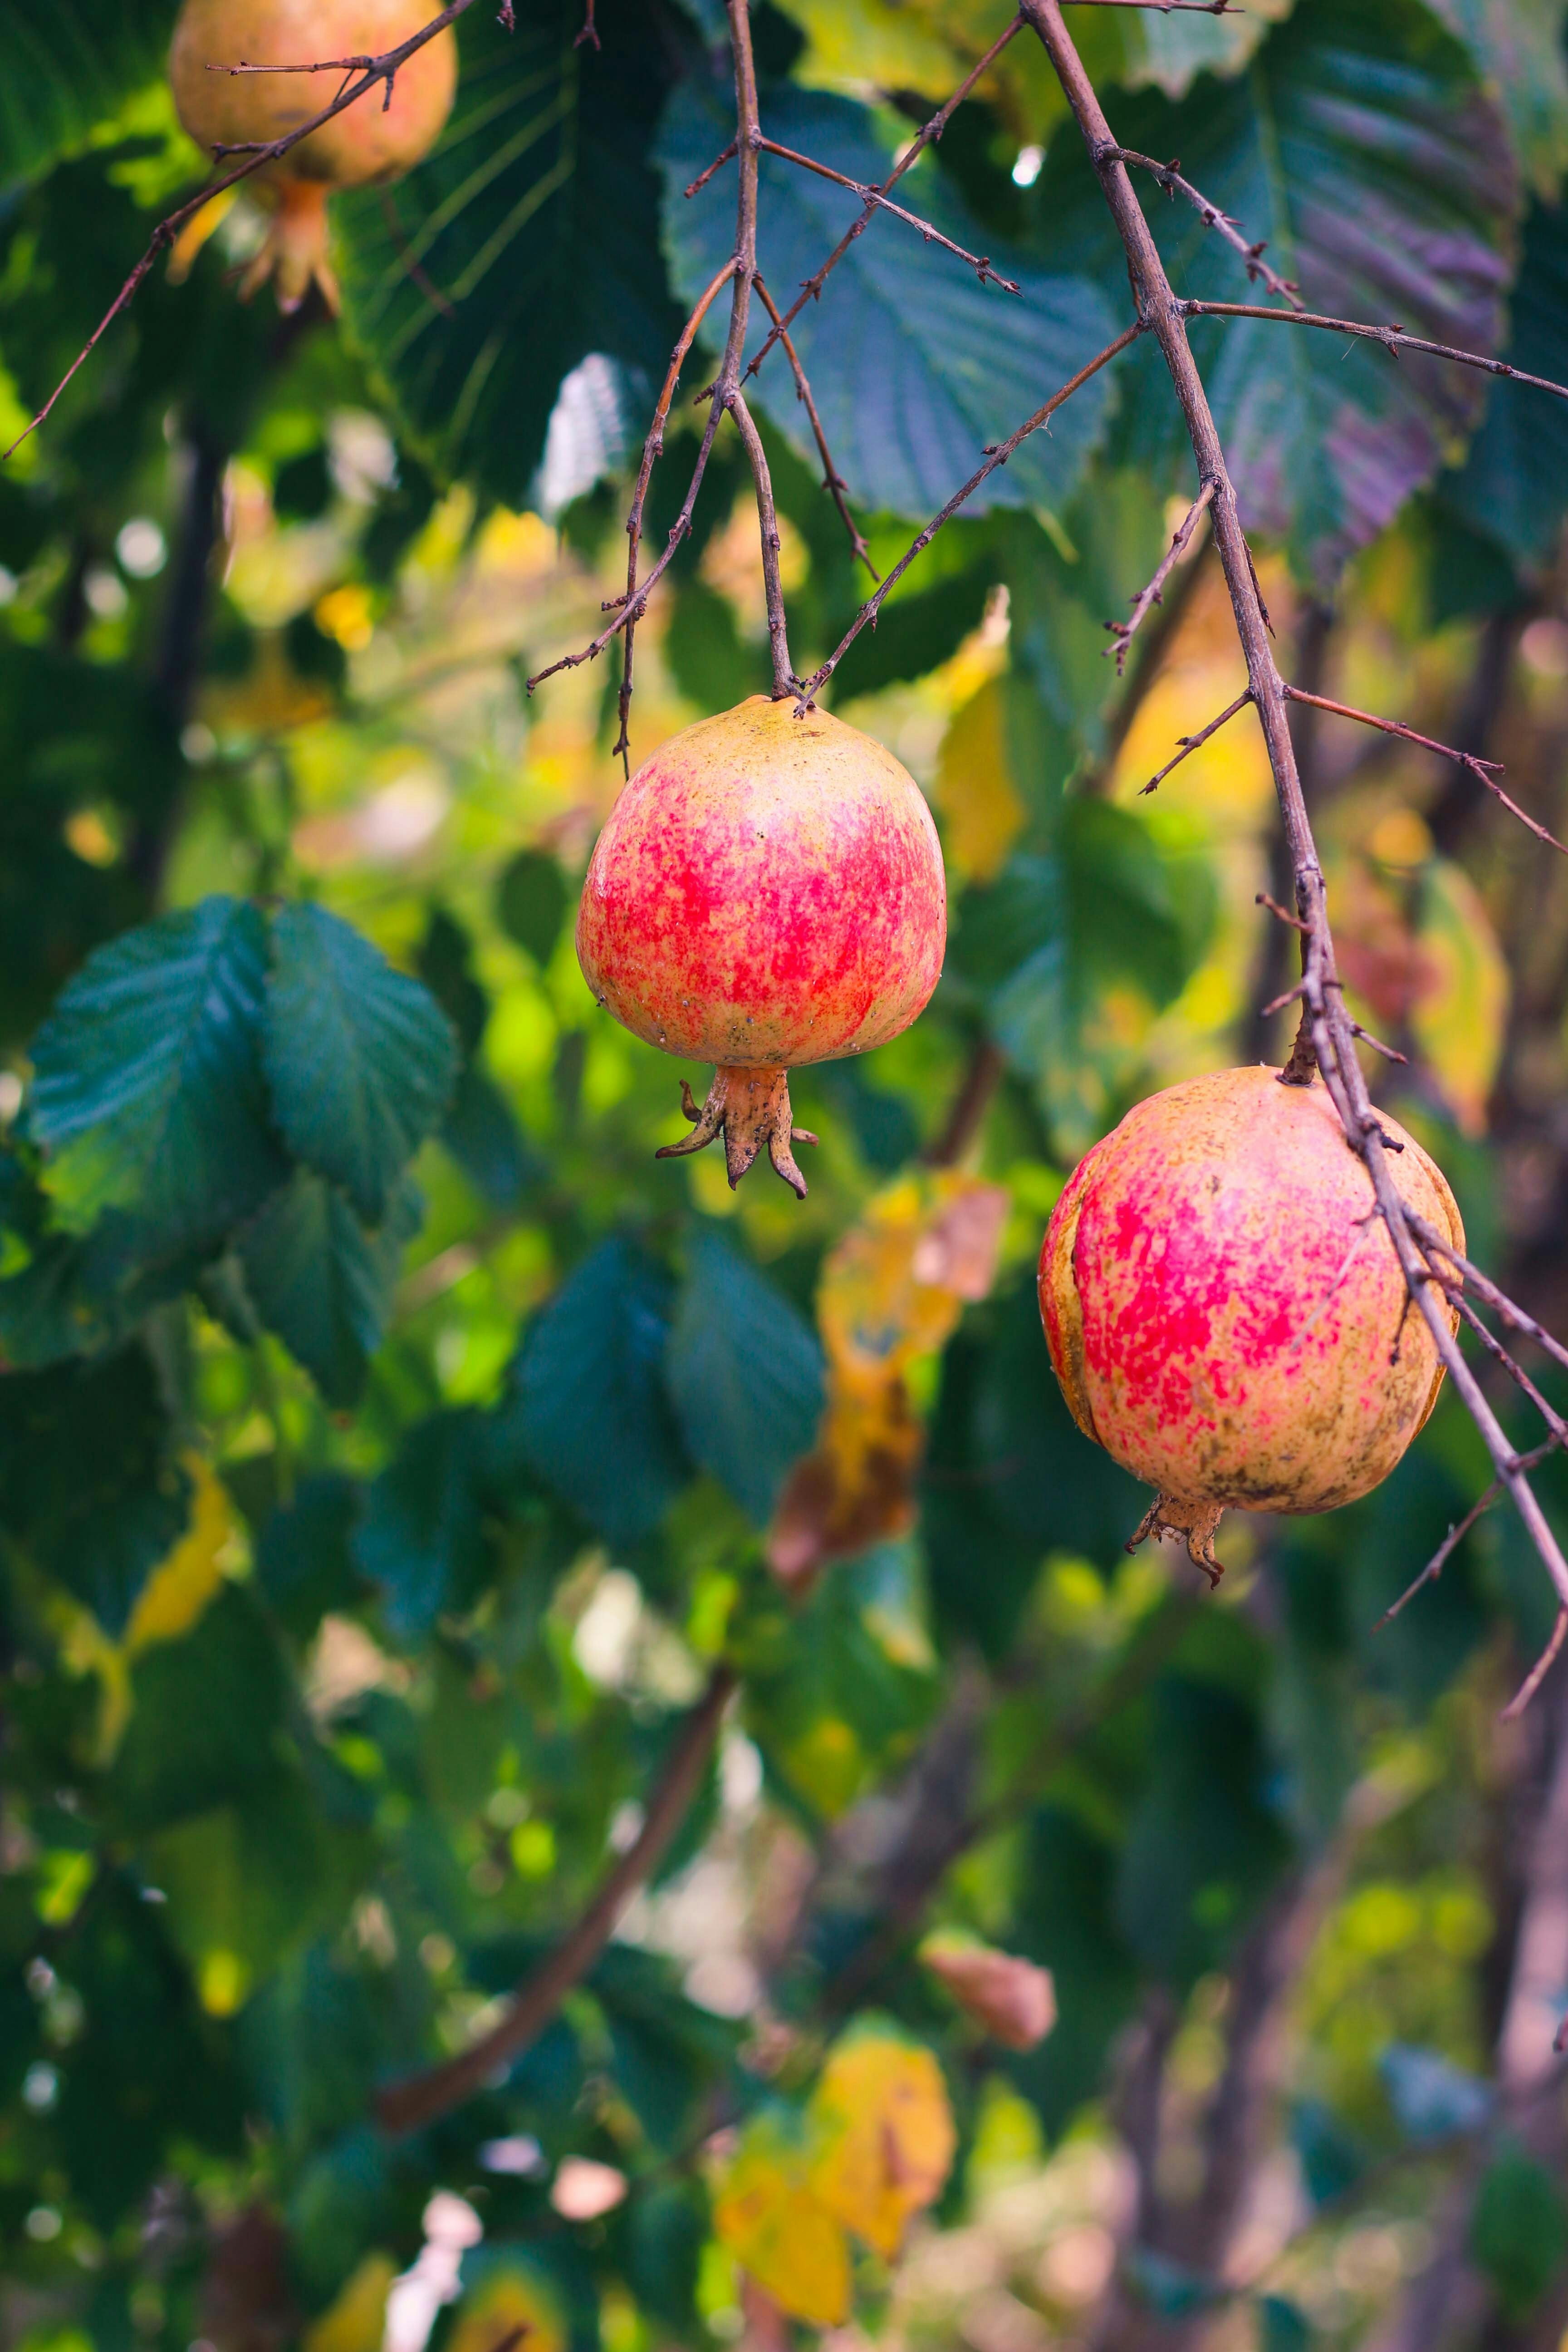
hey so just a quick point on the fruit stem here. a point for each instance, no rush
(751, 1108)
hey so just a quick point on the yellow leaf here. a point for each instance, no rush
(356, 2322)
(887, 2136)
(982, 812)
(513, 2306)
(1459, 1020)
(895, 1286)
(770, 2217)
(177, 1593)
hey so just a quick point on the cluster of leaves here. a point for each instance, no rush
(387, 1451)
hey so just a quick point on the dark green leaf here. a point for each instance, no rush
(208, 1710)
(1066, 1922)
(588, 1411)
(89, 1482)
(304, 1557)
(361, 1060)
(1281, 2327)
(317, 1278)
(1514, 488)
(1519, 2230)
(147, 1088)
(745, 1372)
(914, 365)
(1518, 45)
(422, 1535)
(1363, 147)
(64, 68)
(535, 221)
(532, 898)
(487, 1143)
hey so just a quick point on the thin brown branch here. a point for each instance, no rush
(1327, 1032)
(979, 262)
(406, 2106)
(726, 399)
(811, 291)
(1389, 1052)
(1394, 339)
(653, 449)
(982, 1075)
(1285, 915)
(1436, 1246)
(832, 480)
(1170, 178)
(1167, 7)
(1495, 1349)
(382, 68)
(995, 457)
(1530, 1685)
(1191, 743)
(725, 155)
(1143, 604)
(1486, 771)
(590, 31)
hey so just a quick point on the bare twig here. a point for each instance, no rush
(1327, 1034)
(811, 290)
(1285, 915)
(997, 455)
(979, 262)
(832, 480)
(1191, 743)
(405, 2106)
(1170, 178)
(1486, 771)
(382, 68)
(1394, 339)
(1389, 1052)
(653, 449)
(590, 30)
(1125, 631)
(726, 399)
(1167, 7)
(725, 155)
(1436, 1246)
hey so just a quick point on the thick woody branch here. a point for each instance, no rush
(406, 2106)
(832, 480)
(1170, 178)
(382, 69)
(1125, 631)
(932, 130)
(1394, 339)
(1191, 743)
(1485, 772)
(995, 457)
(1326, 1029)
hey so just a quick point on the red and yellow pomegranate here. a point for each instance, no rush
(1225, 1314)
(768, 891)
(375, 139)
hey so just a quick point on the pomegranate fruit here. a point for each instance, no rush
(378, 138)
(768, 891)
(1223, 1307)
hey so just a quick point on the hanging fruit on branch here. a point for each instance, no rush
(1224, 1309)
(384, 135)
(768, 891)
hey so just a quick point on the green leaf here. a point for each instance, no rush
(532, 898)
(1519, 2230)
(304, 1559)
(1361, 146)
(1281, 2327)
(64, 68)
(588, 1410)
(206, 1714)
(1513, 487)
(535, 222)
(89, 1479)
(422, 1535)
(487, 1143)
(1519, 46)
(147, 1088)
(745, 1372)
(361, 1059)
(323, 1284)
(914, 365)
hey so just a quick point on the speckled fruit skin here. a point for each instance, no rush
(368, 142)
(768, 891)
(1220, 1321)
